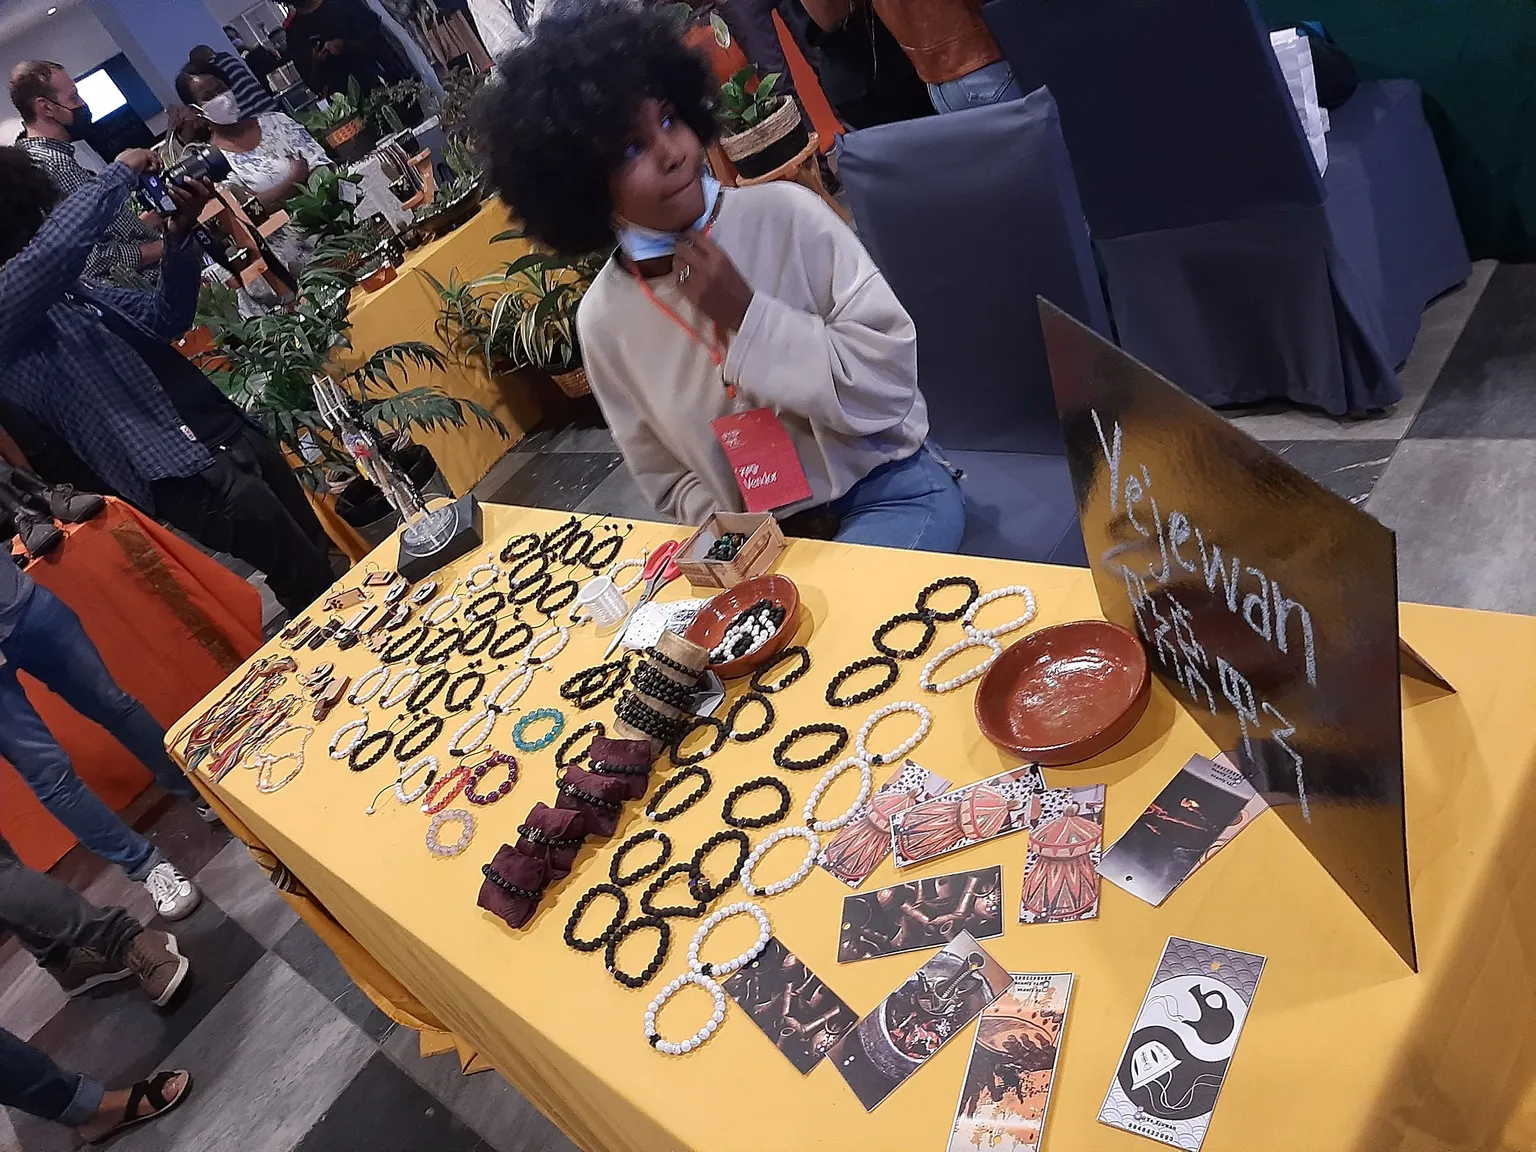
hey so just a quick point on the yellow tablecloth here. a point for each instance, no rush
(407, 308)
(1344, 1049)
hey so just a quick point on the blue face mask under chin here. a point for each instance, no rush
(641, 243)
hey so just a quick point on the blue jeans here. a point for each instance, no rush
(989, 84)
(32, 1082)
(48, 642)
(914, 503)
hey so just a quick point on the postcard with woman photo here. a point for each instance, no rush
(921, 914)
(919, 1018)
(796, 1011)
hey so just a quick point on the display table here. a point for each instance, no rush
(1345, 1048)
(408, 307)
(170, 622)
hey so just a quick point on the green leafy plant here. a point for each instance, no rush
(460, 87)
(743, 106)
(381, 107)
(268, 363)
(686, 16)
(319, 207)
(339, 109)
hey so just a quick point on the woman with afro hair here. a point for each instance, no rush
(718, 301)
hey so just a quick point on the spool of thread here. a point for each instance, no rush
(601, 599)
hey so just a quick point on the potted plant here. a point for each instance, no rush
(271, 362)
(341, 126)
(763, 131)
(323, 210)
(391, 110)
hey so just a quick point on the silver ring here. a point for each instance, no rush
(682, 277)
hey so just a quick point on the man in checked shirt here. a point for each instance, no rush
(54, 115)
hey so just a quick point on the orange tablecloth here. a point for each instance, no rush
(170, 622)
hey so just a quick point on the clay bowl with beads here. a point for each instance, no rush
(716, 617)
(1064, 694)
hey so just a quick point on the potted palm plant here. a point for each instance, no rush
(763, 131)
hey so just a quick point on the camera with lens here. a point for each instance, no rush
(201, 162)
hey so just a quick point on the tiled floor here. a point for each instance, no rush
(291, 1057)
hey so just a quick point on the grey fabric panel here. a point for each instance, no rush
(1019, 506)
(969, 216)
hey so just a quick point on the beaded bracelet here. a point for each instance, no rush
(969, 620)
(426, 691)
(972, 640)
(698, 883)
(587, 899)
(594, 728)
(480, 771)
(472, 581)
(507, 886)
(793, 652)
(559, 630)
(781, 753)
(591, 686)
(355, 759)
(676, 751)
(531, 589)
(515, 638)
(448, 816)
(635, 562)
(741, 791)
(624, 932)
(366, 689)
(808, 816)
(404, 644)
(668, 911)
(406, 772)
(657, 725)
(404, 683)
(473, 610)
(445, 791)
(597, 563)
(658, 684)
(520, 547)
(683, 1047)
(361, 726)
(924, 722)
(740, 908)
(493, 700)
(813, 851)
(676, 665)
(575, 548)
(520, 739)
(930, 630)
(477, 638)
(434, 614)
(576, 792)
(735, 713)
(972, 589)
(441, 647)
(614, 866)
(539, 836)
(485, 722)
(892, 674)
(451, 703)
(516, 577)
(563, 592)
(411, 746)
(661, 816)
(556, 538)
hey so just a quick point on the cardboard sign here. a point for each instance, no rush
(1267, 604)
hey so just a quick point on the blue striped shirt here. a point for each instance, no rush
(249, 94)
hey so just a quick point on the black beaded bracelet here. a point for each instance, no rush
(769, 716)
(794, 651)
(591, 686)
(576, 792)
(662, 687)
(427, 689)
(644, 870)
(930, 630)
(438, 650)
(477, 638)
(698, 884)
(555, 538)
(586, 901)
(539, 836)
(638, 714)
(513, 640)
(563, 592)
(680, 668)
(508, 887)
(676, 751)
(623, 933)
(473, 610)
(464, 677)
(531, 589)
(593, 728)
(520, 547)
(597, 563)
(404, 644)
(409, 746)
(688, 911)
(892, 674)
(781, 753)
(574, 549)
(728, 811)
(972, 589)
(355, 759)
(517, 576)
(693, 771)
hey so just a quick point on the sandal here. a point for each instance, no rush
(151, 1091)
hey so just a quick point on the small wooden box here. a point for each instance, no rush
(764, 543)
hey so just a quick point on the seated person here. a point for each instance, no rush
(720, 300)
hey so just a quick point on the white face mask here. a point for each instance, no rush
(222, 109)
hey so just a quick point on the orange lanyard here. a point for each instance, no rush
(711, 346)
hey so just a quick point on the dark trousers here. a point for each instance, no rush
(52, 920)
(32, 1082)
(250, 504)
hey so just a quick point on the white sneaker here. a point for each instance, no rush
(175, 896)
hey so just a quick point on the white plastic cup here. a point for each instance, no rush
(601, 599)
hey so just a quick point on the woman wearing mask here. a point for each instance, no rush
(733, 326)
(270, 156)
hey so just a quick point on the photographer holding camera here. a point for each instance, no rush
(94, 363)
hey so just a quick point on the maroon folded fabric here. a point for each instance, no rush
(628, 753)
(566, 827)
(599, 798)
(528, 873)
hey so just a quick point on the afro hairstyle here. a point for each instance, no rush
(27, 195)
(555, 118)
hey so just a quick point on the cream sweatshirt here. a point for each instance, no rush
(825, 344)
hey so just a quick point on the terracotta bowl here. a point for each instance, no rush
(715, 617)
(1064, 694)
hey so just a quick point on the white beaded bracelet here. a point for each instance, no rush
(361, 725)
(445, 817)
(530, 660)
(431, 616)
(972, 640)
(485, 719)
(395, 693)
(358, 696)
(813, 844)
(740, 908)
(925, 721)
(968, 621)
(472, 587)
(492, 699)
(410, 770)
(635, 562)
(866, 783)
(682, 1047)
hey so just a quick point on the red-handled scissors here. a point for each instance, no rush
(659, 571)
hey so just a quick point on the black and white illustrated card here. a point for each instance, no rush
(1181, 1045)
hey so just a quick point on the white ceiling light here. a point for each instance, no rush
(51, 11)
